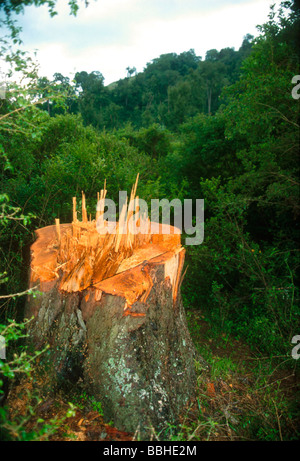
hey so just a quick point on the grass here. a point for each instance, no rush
(240, 396)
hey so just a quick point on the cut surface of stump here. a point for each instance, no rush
(111, 311)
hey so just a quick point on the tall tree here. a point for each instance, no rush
(93, 97)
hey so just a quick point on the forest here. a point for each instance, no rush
(223, 128)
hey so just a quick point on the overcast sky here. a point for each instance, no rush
(110, 35)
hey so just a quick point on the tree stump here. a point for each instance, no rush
(111, 311)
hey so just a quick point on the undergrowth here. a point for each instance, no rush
(241, 396)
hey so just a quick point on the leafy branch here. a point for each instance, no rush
(29, 292)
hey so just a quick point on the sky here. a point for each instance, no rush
(111, 35)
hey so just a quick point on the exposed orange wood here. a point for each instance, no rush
(98, 295)
(74, 210)
(133, 314)
(57, 229)
(81, 257)
(84, 213)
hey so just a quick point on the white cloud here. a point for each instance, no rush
(110, 35)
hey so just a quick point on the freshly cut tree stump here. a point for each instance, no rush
(111, 310)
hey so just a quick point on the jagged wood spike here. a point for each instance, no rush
(74, 210)
(84, 213)
(57, 224)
